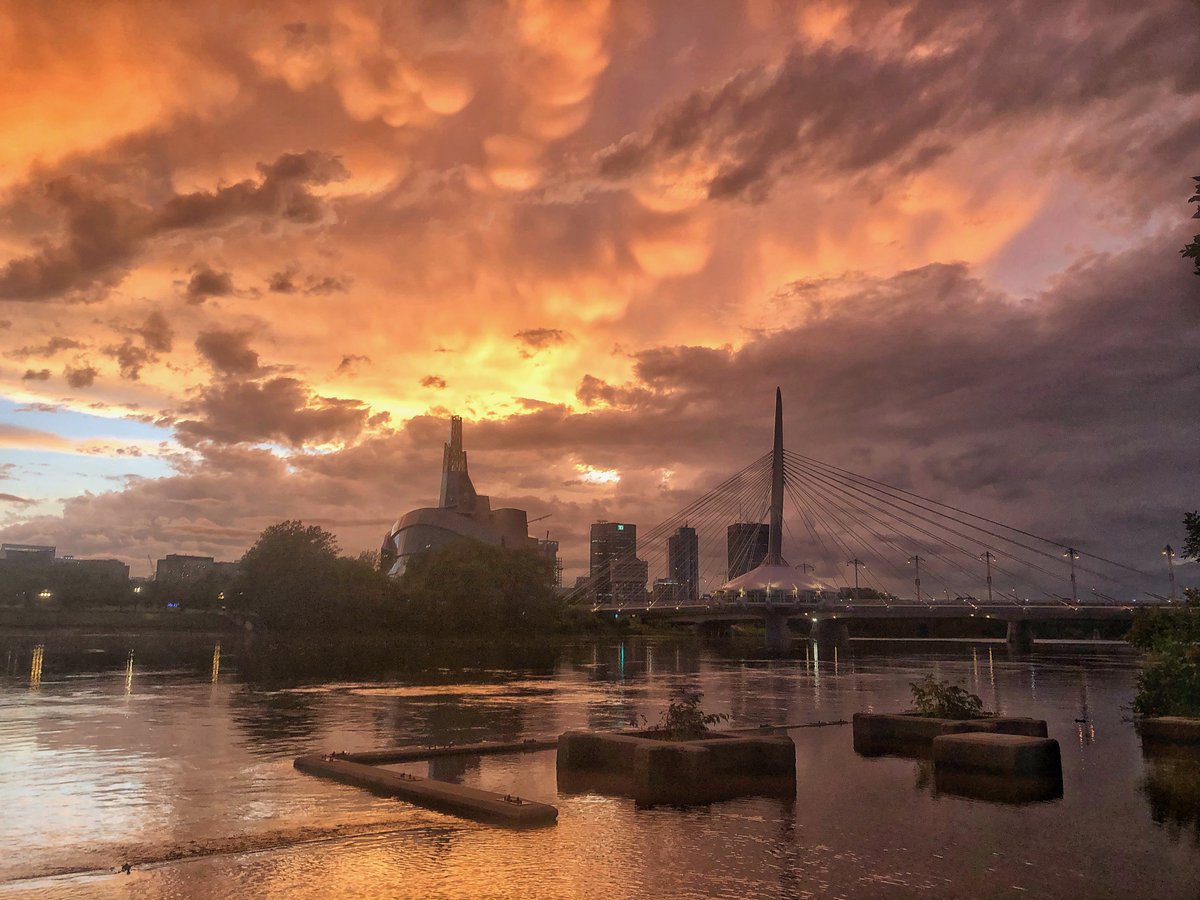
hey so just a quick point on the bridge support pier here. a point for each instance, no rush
(779, 636)
(829, 631)
(1020, 633)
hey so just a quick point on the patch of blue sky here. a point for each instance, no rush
(78, 425)
(48, 476)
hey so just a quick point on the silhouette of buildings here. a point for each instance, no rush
(748, 544)
(180, 569)
(461, 514)
(683, 562)
(614, 572)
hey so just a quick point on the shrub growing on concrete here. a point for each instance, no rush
(684, 720)
(943, 700)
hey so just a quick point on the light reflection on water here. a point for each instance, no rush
(178, 752)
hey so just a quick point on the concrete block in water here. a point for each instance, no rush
(998, 754)
(1170, 729)
(596, 751)
(876, 734)
(653, 770)
(1009, 725)
(457, 799)
(1011, 789)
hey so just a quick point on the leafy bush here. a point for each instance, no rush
(943, 700)
(1169, 683)
(684, 720)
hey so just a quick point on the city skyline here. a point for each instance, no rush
(249, 273)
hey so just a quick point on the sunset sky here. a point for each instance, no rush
(252, 256)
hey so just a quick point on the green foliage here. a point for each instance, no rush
(943, 700)
(1191, 544)
(469, 587)
(293, 578)
(684, 720)
(1192, 250)
(1169, 683)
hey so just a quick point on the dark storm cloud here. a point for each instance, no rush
(80, 376)
(282, 282)
(326, 284)
(130, 357)
(228, 352)
(157, 333)
(285, 282)
(350, 363)
(536, 339)
(52, 346)
(36, 375)
(434, 381)
(206, 282)
(958, 70)
(280, 410)
(105, 231)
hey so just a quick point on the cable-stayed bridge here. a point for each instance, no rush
(860, 548)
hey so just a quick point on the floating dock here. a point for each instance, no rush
(362, 770)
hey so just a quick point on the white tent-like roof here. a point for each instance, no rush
(784, 579)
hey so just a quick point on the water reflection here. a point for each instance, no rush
(35, 667)
(1172, 787)
(181, 765)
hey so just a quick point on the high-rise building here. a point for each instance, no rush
(683, 561)
(610, 541)
(627, 580)
(748, 545)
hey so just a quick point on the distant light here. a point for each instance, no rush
(45, 595)
(172, 606)
(138, 589)
(591, 475)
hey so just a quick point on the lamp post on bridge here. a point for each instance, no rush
(1169, 553)
(987, 559)
(857, 563)
(1072, 554)
(916, 560)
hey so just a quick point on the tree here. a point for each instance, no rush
(1169, 683)
(469, 587)
(1191, 544)
(1192, 250)
(293, 578)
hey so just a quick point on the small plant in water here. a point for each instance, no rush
(943, 700)
(684, 720)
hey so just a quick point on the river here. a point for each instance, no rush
(174, 753)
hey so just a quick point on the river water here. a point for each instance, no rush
(175, 754)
